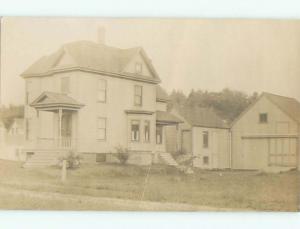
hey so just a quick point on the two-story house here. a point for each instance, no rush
(92, 98)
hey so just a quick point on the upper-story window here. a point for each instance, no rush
(101, 91)
(138, 95)
(205, 139)
(138, 67)
(263, 118)
(65, 85)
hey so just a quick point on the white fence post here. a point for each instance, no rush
(64, 170)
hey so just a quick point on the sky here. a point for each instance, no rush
(211, 54)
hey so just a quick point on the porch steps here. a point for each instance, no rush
(167, 158)
(42, 159)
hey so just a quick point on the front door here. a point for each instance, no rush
(66, 126)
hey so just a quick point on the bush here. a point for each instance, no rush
(73, 160)
(122, 154)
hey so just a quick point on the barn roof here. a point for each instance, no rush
(204, 117)
(91, 56)
(288, 105)
(161, 94)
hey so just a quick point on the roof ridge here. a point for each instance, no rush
(93, 43)
(282, 96)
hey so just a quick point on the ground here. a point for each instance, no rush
(119, 187)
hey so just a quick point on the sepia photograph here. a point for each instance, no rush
(120, 114)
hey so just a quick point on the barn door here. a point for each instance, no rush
(255, 153)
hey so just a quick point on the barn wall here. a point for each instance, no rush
(217, 150)
(252, 154)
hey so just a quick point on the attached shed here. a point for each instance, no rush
(206, 137)
(266, 134)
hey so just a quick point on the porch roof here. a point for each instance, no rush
(51, 101)
(166, 118)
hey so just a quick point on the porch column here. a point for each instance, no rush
(59, 126)
(39, 128)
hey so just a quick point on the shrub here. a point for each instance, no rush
(73, 160)
(122, 154)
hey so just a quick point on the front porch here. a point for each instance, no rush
(166, 120)
(63, 122)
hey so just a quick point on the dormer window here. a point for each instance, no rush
(138, 67)
(263, 118)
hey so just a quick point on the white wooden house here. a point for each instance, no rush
(90, 98)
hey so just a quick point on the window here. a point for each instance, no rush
(101, 128)
(205, 139)
(28, 134)
(65, 85)
(263, 118)
(101, 91)
(205, 160)
(138, 95)
(147, 131)
(27, 98)
(135, 131)
(138, 67)
(28, 90)
(159, 134)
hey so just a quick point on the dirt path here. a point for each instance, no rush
(104, 203)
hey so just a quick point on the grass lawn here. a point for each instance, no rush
(221, 189)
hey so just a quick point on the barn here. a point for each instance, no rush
(266, 135)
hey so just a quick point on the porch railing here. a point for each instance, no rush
(64, 143)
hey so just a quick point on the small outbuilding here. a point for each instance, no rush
(205, 136)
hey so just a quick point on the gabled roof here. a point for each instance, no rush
(161, 94)
(288, 105)
(90, 56)
(164, 117)
(52, 99)
(203, 116)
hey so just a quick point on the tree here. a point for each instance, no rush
(9, 113)
(177, 100)
(228, 104)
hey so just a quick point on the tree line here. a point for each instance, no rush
(227, 104)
